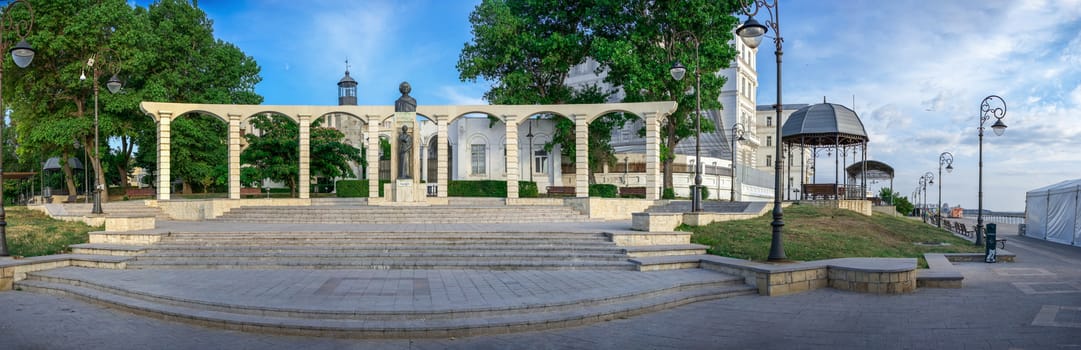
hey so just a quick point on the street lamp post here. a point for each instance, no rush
(22, 54)
(947, 159)
(114, 85)
(737, 136)
(927, 179)
(678, 71)
(751, 33)
(532, 157)
(988, 108)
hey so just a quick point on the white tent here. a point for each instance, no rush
(1053, 213)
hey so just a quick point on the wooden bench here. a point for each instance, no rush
(964, 231)
(250, 191)
(560, 190)
(632, 192)
(140, 192)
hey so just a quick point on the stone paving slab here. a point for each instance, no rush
(384, 290)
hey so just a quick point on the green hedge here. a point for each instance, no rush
(528, 189)
(603, 191)
(668, 193)
(357, 188)
(477, 188)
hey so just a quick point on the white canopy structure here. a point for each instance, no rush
(1053, 213)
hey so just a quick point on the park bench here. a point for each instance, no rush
(139, 192)
(964, 231)
(632, 192)
(560, 190)
(250, 191)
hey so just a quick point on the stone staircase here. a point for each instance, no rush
(134, 207)
(359, 214)
(383, 250)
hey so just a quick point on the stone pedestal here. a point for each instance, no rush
(403, 191)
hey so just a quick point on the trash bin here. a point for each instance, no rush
(989, 251)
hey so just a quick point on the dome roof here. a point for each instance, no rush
(824, 124)
(347, 79)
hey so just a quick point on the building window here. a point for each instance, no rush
(769, 121)
(769, 160)
(540, 162)
(476, 155)
(769, 141)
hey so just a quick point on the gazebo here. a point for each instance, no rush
(871, 170)
(833, 127)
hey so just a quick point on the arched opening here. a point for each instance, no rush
(338, 151)
(199, 155)
(270, 154)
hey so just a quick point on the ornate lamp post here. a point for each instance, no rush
(946, 158)
(22, 54)
(989, 107)
(114, 86)
(927, 179)
(751, 32)
(532, 157)
(737, 136)
(678, 71)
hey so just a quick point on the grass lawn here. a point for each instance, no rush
(813, 233)
(32, 233)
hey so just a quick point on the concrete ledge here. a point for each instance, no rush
(16, 269)
(138, 238)
(665, 250)
(864, 275)
(107, 249)
(633, 238)
(1002, 255)
(129, 222)
(609, 208)
(705, 218)
(939, 274)
(656, 222)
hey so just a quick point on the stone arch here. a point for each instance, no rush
(196, 172)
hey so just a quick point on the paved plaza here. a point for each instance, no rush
(1034, 303)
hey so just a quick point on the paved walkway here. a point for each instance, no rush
(1034, 303)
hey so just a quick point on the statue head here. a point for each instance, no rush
(404, 88)
(405, 128)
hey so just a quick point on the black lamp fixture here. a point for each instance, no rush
(114, 85)
(678, 71)
(751, 33)
(991, 106)
(22, 54)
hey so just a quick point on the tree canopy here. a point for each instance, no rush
(165, 52)
(526, 48)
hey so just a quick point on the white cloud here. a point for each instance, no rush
(454, 96)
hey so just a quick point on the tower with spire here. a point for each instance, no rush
(347, 89)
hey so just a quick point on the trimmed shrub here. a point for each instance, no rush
(705, 191)
(357, 188)
(668, 193)
(603, 190)
(528, 189)
(477, 188)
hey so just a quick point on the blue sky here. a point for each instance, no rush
(916, 88)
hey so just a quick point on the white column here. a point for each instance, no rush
(164, 188)
(234, 156)
(442, 166)
(653, 151)
(511, 135)
(581, 156)
(373, 155)
(305, 155)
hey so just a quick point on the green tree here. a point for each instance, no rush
(329, 156)
(527, 48)
(887, 194)
(637, 41)
(904, 207)
(274, 154)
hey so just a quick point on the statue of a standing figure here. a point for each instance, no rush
(405, 103)
(405, 148)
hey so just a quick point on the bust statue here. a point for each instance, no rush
(405, 103)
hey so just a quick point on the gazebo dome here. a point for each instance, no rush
(347, 79)
(824, 124)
